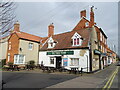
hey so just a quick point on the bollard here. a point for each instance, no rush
(81, 71)
(2, 84)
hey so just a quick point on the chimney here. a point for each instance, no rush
(91, 17)
(50, 30)
(17, 26)
(83, 13)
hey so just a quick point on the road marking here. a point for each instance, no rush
(110, 79)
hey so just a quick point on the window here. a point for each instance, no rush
(74, 62)
(86, 24)
(100, 36)
(8, 58)
(105, 41)
(77, 41)
(51, 43)
(51, 60)
(9, 47)
(101, 48)
(30, 47)
(19, 59)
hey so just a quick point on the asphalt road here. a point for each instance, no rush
(33, 80)
(116, 80)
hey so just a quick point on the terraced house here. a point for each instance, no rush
(22, 47)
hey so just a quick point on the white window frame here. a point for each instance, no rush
(76, 36)
(53, 60)
(73, 63)
(30, 46)
(51, 41)
(9, 48)
(100, 36)
(17, 60)
(8, 57)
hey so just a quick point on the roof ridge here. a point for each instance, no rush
(31, 34)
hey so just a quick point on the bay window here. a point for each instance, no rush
(19, 59)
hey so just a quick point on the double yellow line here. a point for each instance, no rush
(110, 81)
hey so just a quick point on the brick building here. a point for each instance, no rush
(22, 47)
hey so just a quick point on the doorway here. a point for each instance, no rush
(58, 62)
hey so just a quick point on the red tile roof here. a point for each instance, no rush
(27, 36)
(65, 42)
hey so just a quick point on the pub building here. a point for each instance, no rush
(74, 49)
(78, 48)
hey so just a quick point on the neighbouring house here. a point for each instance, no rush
(22, 47)
(75, 49)
(102, 38)
(111, 56)
(3, 47)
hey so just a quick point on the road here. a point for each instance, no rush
(107, 78)
(95, 80)
(112, 81)
(33, 80)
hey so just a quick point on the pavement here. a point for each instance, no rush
(96, 80)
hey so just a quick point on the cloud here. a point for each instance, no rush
(35, 17)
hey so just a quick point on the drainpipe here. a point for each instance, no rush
(87, 62)
(90, 57)
(90, 52)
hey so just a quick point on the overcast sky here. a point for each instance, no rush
(34, 17)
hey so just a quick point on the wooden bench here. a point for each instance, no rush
(11, 67)
(48, 69)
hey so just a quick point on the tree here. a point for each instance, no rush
(7, 16)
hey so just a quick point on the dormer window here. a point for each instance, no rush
(51, 43)
(76, 39)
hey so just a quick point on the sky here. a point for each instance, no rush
(34, 17)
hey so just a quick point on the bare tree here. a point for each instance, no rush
(7, 16)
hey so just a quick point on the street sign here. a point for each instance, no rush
(60, 53)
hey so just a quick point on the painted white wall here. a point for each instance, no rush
(3, 48)
(82, 59)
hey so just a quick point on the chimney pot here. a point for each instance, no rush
(92, 17)
(83, 13)
(17, 26)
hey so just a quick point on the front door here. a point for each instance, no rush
(58, 62)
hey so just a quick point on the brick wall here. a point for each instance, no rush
(14, 48)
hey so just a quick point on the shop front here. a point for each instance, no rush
(97, 52)
(65, 58)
